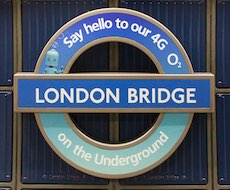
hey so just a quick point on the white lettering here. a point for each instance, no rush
(68, 96)
(97, 100)
(110, 94)
(160, 93)
(132, 95)
(144, 93)
(85, 93)
(37, 97)
(191, 94)
(181, 96)
(48, 92)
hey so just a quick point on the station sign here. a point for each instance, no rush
(176, 92)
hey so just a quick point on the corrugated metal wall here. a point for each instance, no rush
(223, 44)
(40, 20)
(186, 19)
(223, 81)
(6, 43)
(223, 131)
(197, 164)
(6, 118)
(179, 17)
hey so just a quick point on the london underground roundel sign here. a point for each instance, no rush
(176, 93)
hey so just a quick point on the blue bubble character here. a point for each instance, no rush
(52, 62)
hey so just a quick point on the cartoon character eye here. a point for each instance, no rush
(54, 60)
(48, 59)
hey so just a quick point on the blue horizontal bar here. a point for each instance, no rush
(155, 95)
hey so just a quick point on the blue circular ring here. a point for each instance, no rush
(174, 126)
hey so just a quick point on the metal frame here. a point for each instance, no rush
(218, 90)
(114, 118)
(12, 184)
